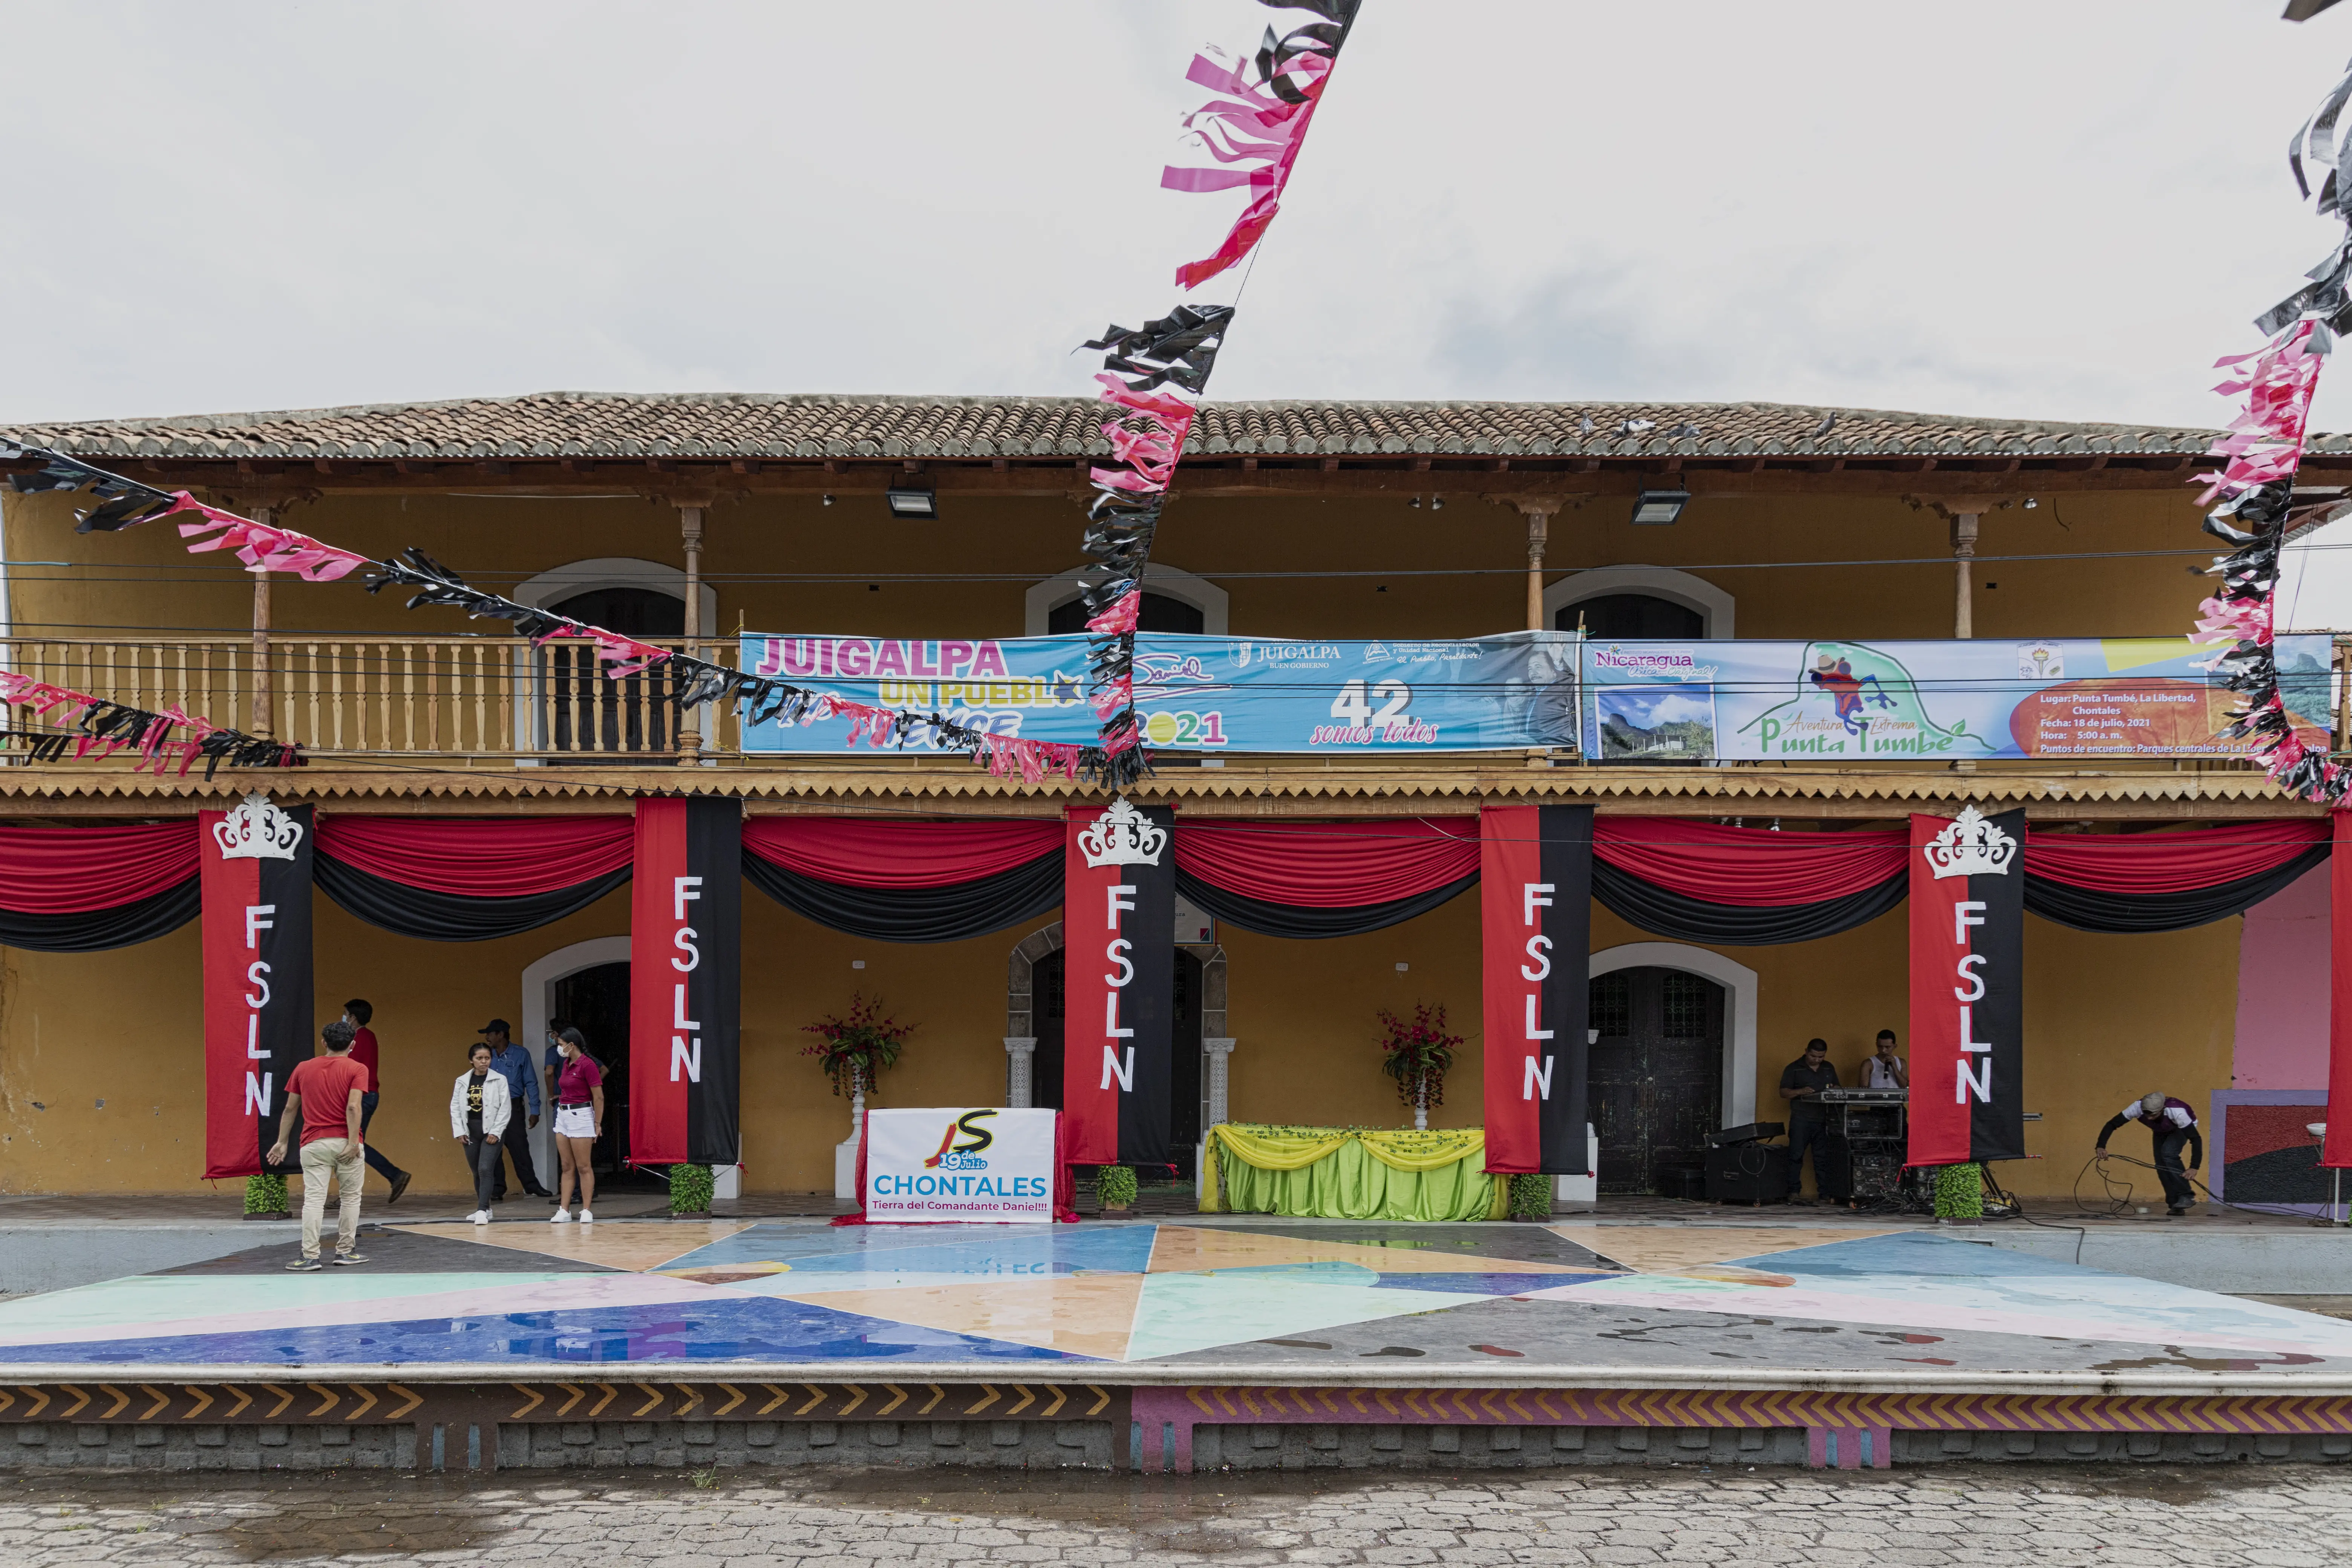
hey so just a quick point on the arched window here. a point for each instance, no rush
(1626, 618)
(1159, 613)
(1626, 603)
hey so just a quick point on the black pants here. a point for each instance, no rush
(483, 1155)
(516, 1141)
(1806, 1131)
(376, 1160)
(2178, 1192)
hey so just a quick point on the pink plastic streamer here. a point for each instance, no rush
(260, 547)
(1257, 133)
(2267, 438)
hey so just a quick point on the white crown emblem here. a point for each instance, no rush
(257, 830)
(1123, 836)
(1969, 847)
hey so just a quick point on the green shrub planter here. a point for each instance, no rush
(1959, 1191)
(1530, 1197)
(690, 1187)
(265, 1198)
(1114, 1186)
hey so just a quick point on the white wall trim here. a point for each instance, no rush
(1203, 596)
(1714, 605)
(538, 987)
(615, 572)
(1739, 1017)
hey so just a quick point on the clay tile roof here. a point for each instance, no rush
(754, 425)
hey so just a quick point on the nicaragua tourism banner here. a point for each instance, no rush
(2063, 696)
(1207, 694)
(960, 1166)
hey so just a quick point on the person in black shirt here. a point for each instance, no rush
(1802, 1082)
(2173, 1125)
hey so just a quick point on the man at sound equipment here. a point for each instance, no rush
(1802, 1082)
(1886, 1070)
(2172, 1123)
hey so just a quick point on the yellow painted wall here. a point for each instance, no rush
(2108, 1019)
(142, 578)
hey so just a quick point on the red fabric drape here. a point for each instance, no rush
(2177, 862)
(863, 852)
(1753, 867)
(72, 870)
(498, 857)
(1330, 865)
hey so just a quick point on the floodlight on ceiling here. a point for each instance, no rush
(1659, 507)
(908, 502)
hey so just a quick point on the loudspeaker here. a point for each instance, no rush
(1747, 1173)
(1750, 1132)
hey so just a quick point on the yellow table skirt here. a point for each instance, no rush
(1341, 1172)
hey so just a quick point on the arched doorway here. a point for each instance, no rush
(1158, 613)
(1630, 618)
(1655, 1084)
(586, 985)
(1186, 1100)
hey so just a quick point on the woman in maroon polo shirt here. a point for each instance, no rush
(579, 1119)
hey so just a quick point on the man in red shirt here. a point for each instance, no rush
(358, 1014)
(324, 1092)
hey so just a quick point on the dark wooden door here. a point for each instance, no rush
(596, 1002)
(1184, 1070)
(1656, 1083)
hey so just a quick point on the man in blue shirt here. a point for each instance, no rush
(513, 1063)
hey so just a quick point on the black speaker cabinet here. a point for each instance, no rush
(1747, 1173)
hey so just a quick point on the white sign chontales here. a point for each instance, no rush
(952, 1167)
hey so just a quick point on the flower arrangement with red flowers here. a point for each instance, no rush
(854, 1047)
(1418, 1053)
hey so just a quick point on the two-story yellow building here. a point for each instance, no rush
(686, 520)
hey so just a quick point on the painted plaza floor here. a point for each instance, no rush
(1266, 1294)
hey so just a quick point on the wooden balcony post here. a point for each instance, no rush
(689, 528)
(1538, 510)
(263, 715)
(1964, 562)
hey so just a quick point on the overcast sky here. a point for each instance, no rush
(2047, 210)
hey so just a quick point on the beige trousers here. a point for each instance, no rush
(346, 1162)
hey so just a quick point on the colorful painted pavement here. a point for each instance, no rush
(1294, 1298)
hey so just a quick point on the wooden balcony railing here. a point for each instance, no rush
(496, 699)
(492, 697)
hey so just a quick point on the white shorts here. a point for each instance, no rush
(575, 1121)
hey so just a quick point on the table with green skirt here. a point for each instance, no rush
(1352, 1172)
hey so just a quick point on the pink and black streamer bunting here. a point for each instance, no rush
(99, 727)
(1151, 374)
(2255, 487)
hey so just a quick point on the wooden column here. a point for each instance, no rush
(264, 716)
(1964, 559)
(1538, 510)
(690, 527)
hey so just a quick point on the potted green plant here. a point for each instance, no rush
(690, 1187)
(1115, 1188)
(853, 1048)
(1418, 1053)
(264, 1197)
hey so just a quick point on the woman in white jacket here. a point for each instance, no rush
(479, 1110)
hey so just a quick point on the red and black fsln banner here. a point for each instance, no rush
(685, 982)
(1536, 922)
(1119, 930)
(255, 872)
(1968, 988)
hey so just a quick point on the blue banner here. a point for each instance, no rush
(1849, 701)
(1207, 694)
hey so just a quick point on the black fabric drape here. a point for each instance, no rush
(452, 916)
(1686, 919)
(2086, 909)
(946, 913)
(95, 931)
(1306, 922)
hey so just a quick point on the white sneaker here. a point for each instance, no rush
(481, 1216)
(587, 1218)
(560, 1216)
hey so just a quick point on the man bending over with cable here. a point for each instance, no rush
(2172, 1123)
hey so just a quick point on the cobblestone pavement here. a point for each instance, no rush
(2274, 1517)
